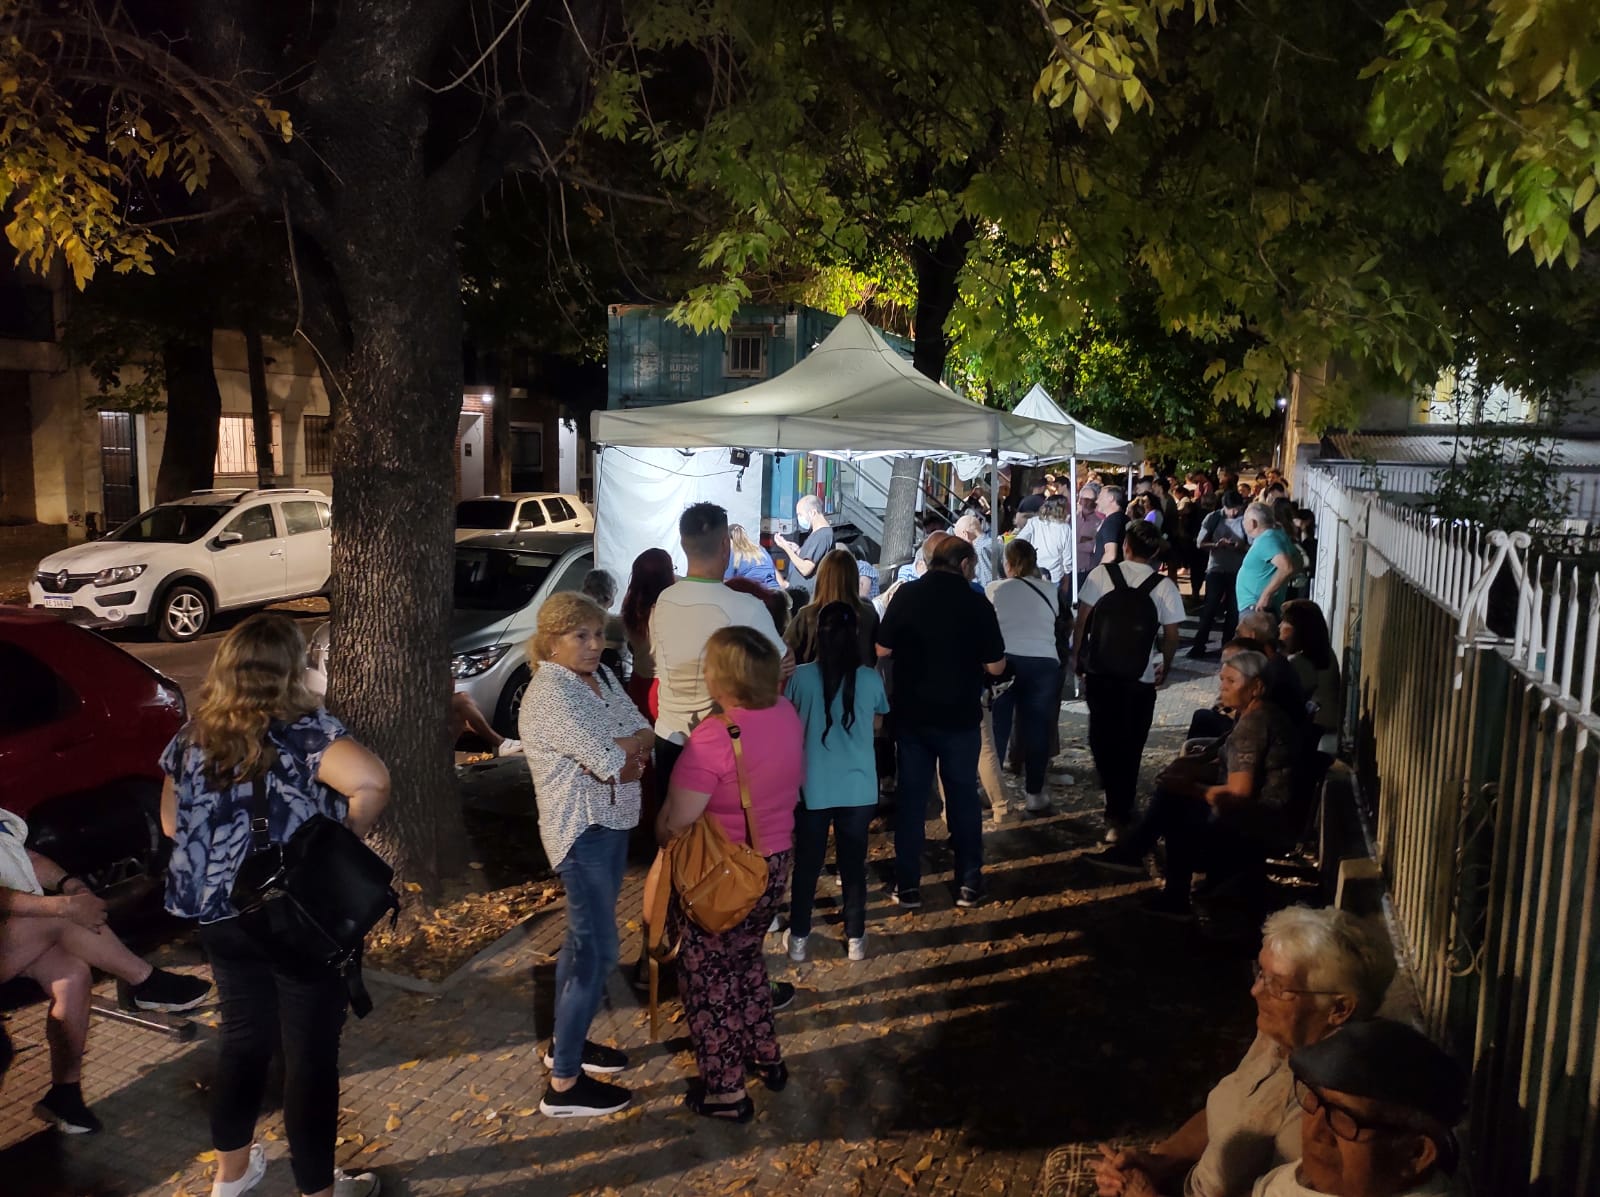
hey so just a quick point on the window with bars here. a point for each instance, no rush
(236, 445)
(746, 355)
(318, 437)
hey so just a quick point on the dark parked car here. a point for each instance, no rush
(82, 726)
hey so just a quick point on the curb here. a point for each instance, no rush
(436, 988)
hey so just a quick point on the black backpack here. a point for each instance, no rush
(1123, 627)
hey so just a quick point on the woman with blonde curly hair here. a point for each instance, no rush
(837, 581)
(258, 726)
(586, 746)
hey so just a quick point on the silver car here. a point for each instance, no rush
(501, 581)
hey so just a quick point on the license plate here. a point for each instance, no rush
(58, 600)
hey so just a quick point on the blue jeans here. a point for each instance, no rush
(850, 826)
(592, 874)
(1034, 701)
(955, 754)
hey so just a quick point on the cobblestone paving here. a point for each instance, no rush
(964, 1048)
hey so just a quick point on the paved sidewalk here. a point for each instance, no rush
(951, 1061)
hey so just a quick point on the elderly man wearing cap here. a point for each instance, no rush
(1380, 1102)
(1317, 970)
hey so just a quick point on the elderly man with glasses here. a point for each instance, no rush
(1317, 970)
(1380, 1102)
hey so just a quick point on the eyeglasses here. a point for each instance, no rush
(1273, 987)
(1342, 1122)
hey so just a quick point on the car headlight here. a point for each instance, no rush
(118, 573)
(479, 660)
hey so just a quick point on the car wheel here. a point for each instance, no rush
(185, 612)
(510, 704)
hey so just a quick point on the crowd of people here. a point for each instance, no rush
(788, 701)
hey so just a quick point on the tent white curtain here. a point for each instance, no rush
(640, 493)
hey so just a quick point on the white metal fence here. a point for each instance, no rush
(1582, 486)
(1471, 670)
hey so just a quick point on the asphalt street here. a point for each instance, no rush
(186, 664)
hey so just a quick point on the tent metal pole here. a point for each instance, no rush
(994, 492)
(1074, 517)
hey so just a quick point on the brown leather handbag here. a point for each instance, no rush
(715, 882)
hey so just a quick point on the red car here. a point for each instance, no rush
(82, 727)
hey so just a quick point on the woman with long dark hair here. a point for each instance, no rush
(840, 701)
(652, 573)
(837, 581)
(1309, 648)
(258, 725)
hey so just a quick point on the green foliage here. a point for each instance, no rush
(1506, 94)
(65, 179)
(122, 352)
(841, 138)
(1119, 371)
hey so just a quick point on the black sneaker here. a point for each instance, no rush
(597, 1057)
(586, 1099)
(968, 896)
(782, 994)
(911, 899)
(164, 991)
(63, 1108)
(1119, 858)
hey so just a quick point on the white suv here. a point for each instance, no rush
(178, 564)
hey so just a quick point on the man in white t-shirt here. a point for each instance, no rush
(684, 617)
(1138, 610)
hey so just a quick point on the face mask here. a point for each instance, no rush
(802, 523)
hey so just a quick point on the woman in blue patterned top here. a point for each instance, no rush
(258, 724)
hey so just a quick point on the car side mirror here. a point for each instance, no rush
(526, 525)
(224, 539)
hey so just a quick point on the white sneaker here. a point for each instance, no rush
(1037, 804)
(358, 1184)
(777, 925)
(857, 948)
(254, 1170)
(507, 748)
(797, 947)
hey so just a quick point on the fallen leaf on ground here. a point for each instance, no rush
(906, 1178)
(206, 1157)
(392, 1123)
(924, 1164)
(409, 1065)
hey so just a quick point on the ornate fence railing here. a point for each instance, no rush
(1471, 664)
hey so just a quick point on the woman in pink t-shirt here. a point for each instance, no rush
(726, 998)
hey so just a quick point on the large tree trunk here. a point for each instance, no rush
(392, 529)
(938, 265)
(260, 407)
(376, 192)
(194, 408)
(900, 511)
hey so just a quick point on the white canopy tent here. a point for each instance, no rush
(853, 396)
(1092, 445)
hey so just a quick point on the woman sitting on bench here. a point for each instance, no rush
(1224, 809)
(53, 929)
